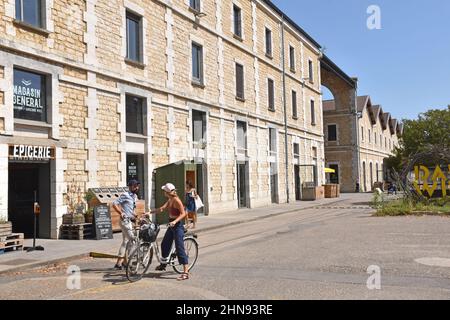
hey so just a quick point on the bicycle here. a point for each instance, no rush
(146, 244)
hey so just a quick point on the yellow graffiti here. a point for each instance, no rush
(437, 177)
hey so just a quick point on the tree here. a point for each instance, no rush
(428, 134)
(431, 129)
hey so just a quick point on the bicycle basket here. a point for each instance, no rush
(149, 232)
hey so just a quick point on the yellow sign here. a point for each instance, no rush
(438, 177)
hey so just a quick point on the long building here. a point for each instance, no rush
(95, 92)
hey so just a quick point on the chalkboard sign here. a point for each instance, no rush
(102, 222)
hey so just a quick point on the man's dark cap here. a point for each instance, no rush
(133, 183)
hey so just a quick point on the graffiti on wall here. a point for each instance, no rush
(439, 178)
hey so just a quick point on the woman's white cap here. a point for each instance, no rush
(168, 187)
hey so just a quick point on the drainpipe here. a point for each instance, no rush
(285, 109)
(357, 136)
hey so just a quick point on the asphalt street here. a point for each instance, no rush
(320, 253)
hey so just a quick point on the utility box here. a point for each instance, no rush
(106, 196)
(177, 174)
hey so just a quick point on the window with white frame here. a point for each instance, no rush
(271, 94)
(292, 58)
(237, 21)
(30, 98)
(195, 5)
(198, 128)
(296, 151)
(134, 114)
(268, 38)
(311, 71)
(332, 132)
(273, 141)
(241, 128)
(313, 112)
(31, 12)
(240, 81)
(294, 105)
(134, 37)
(197, 63)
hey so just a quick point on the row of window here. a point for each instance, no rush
(332, 136)
(32, 12)
(375, 139)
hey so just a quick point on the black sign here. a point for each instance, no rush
(30, 96)
(102, 222)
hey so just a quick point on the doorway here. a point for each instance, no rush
(274, 182)
(27, 181)
(297, 182)
(334, 177)
(242, 184)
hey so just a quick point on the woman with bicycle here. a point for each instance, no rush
(175, 232)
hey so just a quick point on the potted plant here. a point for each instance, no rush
(76, 208)
(89, 215)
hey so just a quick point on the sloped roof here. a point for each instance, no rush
(386, 118)
(362, 102)
(393, 126)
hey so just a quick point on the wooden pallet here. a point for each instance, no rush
(5, 229)
(13, 242)
(77, 231)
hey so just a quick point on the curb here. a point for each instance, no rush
(35, 265)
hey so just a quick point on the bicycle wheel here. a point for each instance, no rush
(136, 267)
(148, 256)
(191, 249)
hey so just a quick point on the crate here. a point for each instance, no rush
(77, 231)
(5, 229)
(72, 219)
(13, 242)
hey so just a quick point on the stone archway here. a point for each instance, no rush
(343, 112)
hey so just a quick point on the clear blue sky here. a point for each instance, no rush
(405, 66)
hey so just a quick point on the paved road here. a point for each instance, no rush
(321, 253)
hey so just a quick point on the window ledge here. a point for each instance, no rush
(314, 124)
(196, 12)
(270, 56)
(292, 70)
(198, 84)
(238, 37)
(29, 27)
(32, 123)
(295, 118)
(136, 64)
(271, 109)
(136, 135)
(240, 99)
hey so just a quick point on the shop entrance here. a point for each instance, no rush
(24, 180)
(297, 182)
(242, 184)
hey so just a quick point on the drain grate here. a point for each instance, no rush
(16, 262)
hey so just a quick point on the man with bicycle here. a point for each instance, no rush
(126, 205)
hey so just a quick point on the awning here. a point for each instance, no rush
(329, 170)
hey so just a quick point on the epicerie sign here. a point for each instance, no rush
(26, 152)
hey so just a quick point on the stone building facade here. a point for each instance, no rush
(378, 136)
(93, 92)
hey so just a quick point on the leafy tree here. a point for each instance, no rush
(428, 133)
(431, 129)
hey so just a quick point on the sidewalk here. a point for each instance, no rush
(58, 251)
